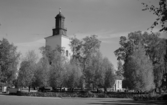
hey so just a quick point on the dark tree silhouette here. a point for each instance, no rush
(160, 12)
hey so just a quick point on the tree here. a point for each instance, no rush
(83, 49)
(157, 52)
(109, 78)
(25, 75)
(42, 73)
(155, 48)
(57, 69)
(99, 72)
(139, 70)
(31, 56)
(120, 71)
(8, 62)
(160, 12)
(53, 70)
(73, 75)
(56, 74)
(50, 54)
(93, 71)
(164, 82)
(27, 70)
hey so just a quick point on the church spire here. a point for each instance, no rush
(59, 24)
(59, 9)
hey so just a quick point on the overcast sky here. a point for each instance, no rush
(27, 22)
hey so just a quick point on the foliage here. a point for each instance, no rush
(83, 50)
(41, 74)
(139, 70)
(164, 82)
(155, 48)
(137, 96)
(27, 70)
(151, 96)
(109, 79)
(160, 12)
(93, 72)
(31, 56)
(51, 53)
(73, 75)
(99, 72)
(25, 74)
(53, 69)
(57, 69)
(120, 70)
(8, 61)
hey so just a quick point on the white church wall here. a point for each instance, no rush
(53, 41)
(65, 43)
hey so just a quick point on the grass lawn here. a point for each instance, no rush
(22, 100)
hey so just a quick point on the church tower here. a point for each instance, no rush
(59, 25)
(59, 36)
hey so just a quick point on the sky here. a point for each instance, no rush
(26, 23)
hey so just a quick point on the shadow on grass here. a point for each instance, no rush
(130, 102)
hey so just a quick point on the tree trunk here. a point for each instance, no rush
(105, 90)
(60, 89)
(97, 90)
(83, 83)
(29, 89)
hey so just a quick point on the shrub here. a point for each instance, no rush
(101, 95)
(163, 97)
(86, 94)
(151, 96)
(135, 96)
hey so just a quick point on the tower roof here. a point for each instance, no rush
(59, 24)
(60, 14)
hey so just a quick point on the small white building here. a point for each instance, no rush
(59, 37)
(118, 84)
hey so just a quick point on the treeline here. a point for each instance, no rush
(87, 68)
(142, 62)
(145, 58)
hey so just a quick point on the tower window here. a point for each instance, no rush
(67, 53)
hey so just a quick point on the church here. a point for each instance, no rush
(59, 36)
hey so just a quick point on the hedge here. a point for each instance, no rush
(80, 94)
(150, 97)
